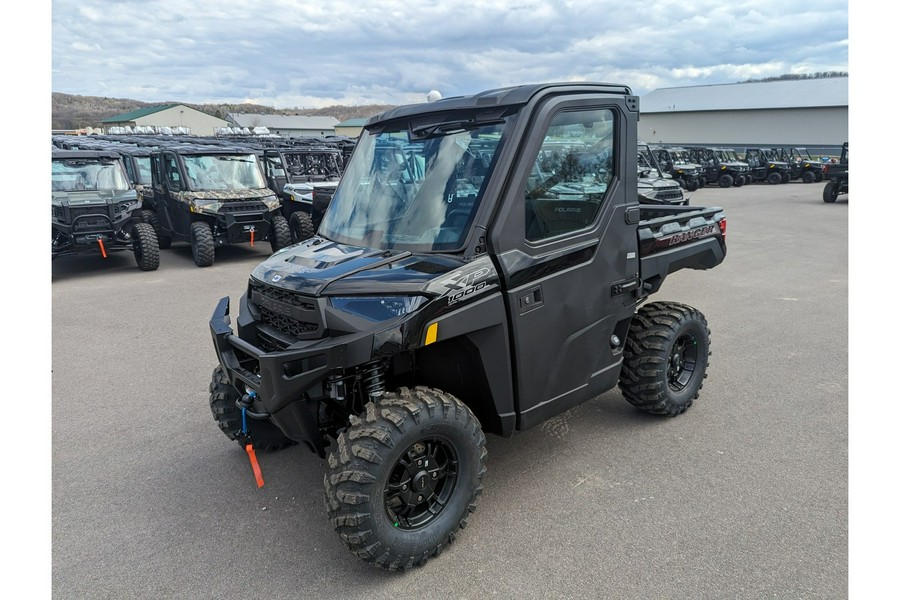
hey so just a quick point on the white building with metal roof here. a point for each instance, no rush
(285, 125)
(804, 112)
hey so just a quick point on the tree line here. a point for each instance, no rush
(69, 111)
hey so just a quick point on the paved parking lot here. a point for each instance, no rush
(743, 496)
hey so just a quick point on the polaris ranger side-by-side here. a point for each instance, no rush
(765, 166)
(802, 164)
(478, 285)
(838, 176)
(95, 209)
(675, 162)
(209, 197)
(721, 166)
(299, 174)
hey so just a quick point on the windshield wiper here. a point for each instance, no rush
(450, 127)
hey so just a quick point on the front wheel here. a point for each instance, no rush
(203, 246)
(222, 398)
(280, 237)
(145, 247)
(405, 476)
(831, 191)
(665, 358)
(302, 227)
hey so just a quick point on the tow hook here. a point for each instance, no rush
(245, 402)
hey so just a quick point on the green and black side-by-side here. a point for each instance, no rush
(480, 269)
(96, 209)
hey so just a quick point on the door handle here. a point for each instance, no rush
(530, 299)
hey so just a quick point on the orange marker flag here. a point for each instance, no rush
(257, 472)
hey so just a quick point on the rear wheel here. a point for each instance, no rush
(725, 180)
(739, 180)
(692, 185)
(145, 247)
(203, 246)
(150, 216)
(405, 476)
(222, 397)
(773, 178)
(819, 176)
(809, 177)
(280, 236)
(785, 178)
(302, 227)
(665, 359)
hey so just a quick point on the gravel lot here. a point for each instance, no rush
(743, 496)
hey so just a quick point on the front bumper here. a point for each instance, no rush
(287, 383)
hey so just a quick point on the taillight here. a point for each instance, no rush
(722, 227)
(825, 170)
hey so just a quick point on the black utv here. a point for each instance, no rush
(676, 162)
(803, 166)
(721, 166)
(495, 288)
(210, 196)
(764, 166)
(305, 178)
(96, 209)
(838, 176)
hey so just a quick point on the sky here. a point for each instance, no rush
(298, 53)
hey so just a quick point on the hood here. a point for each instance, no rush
(245, 194)
(92, 197)
(321, 267)
(306, 187)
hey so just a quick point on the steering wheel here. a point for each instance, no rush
(456, 218)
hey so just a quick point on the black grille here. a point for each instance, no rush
(287, 325)
(286, 312)
(282, 296)
(236, 207)
(673, 194)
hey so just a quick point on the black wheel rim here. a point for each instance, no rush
(421, 483)
(682, 362)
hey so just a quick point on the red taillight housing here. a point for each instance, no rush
(825, 170)
(722, 227)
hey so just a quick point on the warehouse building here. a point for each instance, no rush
(284, 125)
(168, 115)
(811, 113)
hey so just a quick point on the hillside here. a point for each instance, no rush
(76, 112)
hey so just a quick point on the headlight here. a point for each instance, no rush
(205, 205)
(378, 308)
(271, 202)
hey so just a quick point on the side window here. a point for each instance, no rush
(569, 179)
(173, 177)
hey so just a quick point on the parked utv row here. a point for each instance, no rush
(206, 192)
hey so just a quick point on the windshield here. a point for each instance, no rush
(727, 155)
(313, 164)
(74, 175)
(404, 192)
(223, 172)
(680, 156)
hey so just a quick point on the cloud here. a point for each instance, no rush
(308, 54)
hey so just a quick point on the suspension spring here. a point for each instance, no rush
(373, 379)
